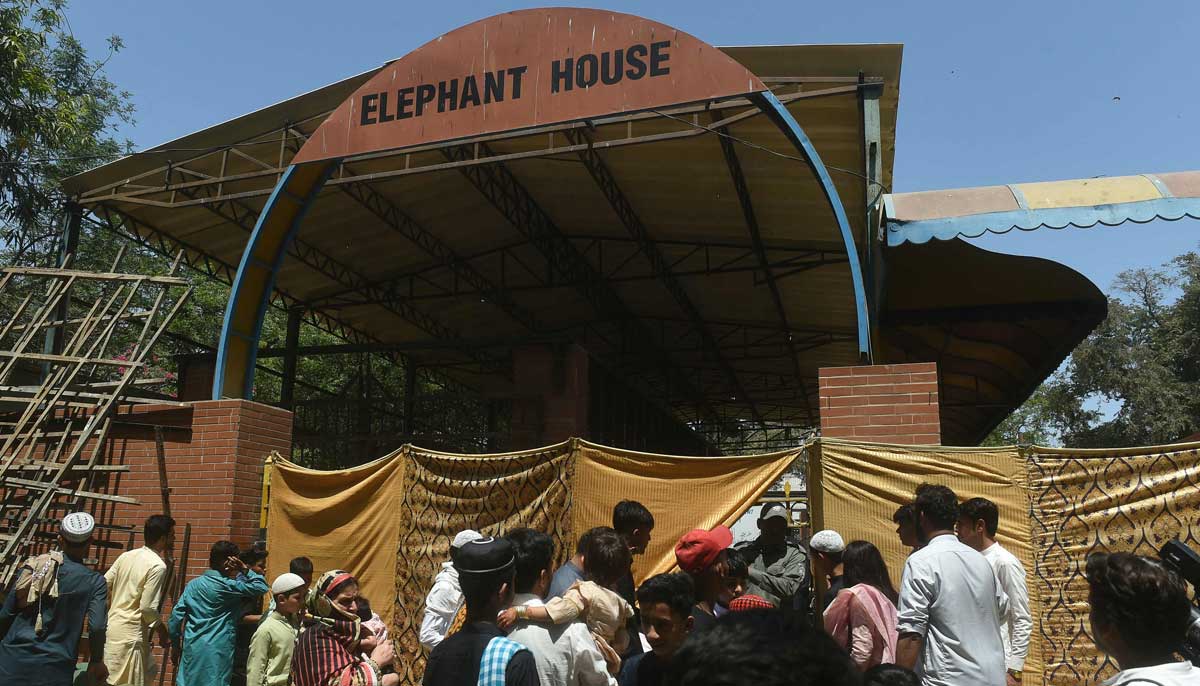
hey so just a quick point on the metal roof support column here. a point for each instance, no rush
(791, 128)
(868, 100)
(629, 218)
(743, 192)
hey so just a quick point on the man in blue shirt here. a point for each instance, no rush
(203, 621)
(666, 602)
(41, 644)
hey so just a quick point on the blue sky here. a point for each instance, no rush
(990, 92)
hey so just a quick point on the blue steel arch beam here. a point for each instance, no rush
(779, 113)
(250, 294)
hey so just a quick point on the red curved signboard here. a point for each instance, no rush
(523, 69)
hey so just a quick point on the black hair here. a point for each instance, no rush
(629, 515)
(221, 551)
(364, 609)
(938, 504)
(890, 675)
(863, 564)
(156, 527)
(256, 553)
(607, 558)
(479, 588)
(533, 551)
(301, 566)
(673, 590)
(581, 546)
(906, 513)
(736, 564)
(764, 648)
(1143, 601)
(976, 509)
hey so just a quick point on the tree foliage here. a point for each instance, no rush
(59, 115)
(1135, 380)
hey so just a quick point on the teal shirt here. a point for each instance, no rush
(211, 605)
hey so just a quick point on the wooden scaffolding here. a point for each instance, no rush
(73, 345)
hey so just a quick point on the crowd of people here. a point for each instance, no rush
(769, 612)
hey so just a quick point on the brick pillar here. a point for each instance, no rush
(552, 400)
(214, 452)
(893, 403)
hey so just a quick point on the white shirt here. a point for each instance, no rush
(1170, 674)
(1017, 623)
(442, 603)
(566, 654)
(950, 598)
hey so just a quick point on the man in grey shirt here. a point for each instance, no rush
(950, 604)
(778, 567)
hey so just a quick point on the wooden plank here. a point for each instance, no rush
(95, 276)
(69, 359)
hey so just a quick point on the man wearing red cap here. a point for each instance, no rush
(701, 553)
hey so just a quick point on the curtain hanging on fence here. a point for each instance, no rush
(391, 521)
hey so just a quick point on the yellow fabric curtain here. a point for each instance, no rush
(683, 493)
(1132, 500)
(856, 487)
(391, 522)
(347, 519)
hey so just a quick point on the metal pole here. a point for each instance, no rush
(67, 247)
(288, 389)
(410, 396)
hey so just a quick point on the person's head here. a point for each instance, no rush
(1139, 608)
(632, 520)
(365, 613)
(665, 601)
(977, 522)
(607, 558)
(737, 573)
(255, 557)
(827, 548)
(75, 533)
(773, 524)
(581, 546)
(219, 554)
(702, 554)
(462, 538)
(863, 564)
(890, 675)
(289, 590)
(905, 518)
(159, 529)
(534, 551)
(303, 568)
(486, 570)
(764, 648)
(335, 595)
(936, 508)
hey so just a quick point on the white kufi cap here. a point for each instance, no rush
(285, 583)
(827, 541)
(77, 527)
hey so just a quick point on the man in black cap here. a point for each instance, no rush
(480, 653)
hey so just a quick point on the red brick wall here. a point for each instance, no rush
(214, 454)
(893, 403)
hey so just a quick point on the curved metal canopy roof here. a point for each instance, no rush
(689, 248)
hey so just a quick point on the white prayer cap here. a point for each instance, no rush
(285, 583)
(827, 541)
(77, 527)
(464, 537)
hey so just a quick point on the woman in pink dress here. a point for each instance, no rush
(862, 619)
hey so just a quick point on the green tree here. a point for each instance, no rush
(1142, 364)
(58, 116)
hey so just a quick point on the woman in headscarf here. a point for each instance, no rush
(330, 652)
(862, 618)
